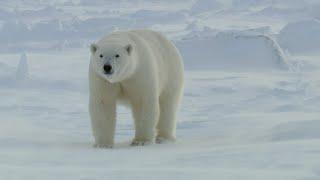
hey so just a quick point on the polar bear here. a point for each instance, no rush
(142, 69)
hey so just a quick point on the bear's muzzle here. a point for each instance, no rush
(107, 69)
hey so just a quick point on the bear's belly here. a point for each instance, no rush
(123, 101)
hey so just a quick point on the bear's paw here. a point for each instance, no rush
(140, 142)
(102, 146)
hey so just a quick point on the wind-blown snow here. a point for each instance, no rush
(251, 103)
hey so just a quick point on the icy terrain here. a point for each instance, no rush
(251, 103)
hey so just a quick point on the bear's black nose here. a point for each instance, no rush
(107, 68)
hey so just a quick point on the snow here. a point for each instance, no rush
(250, 108)
(230, 51)
(148, 17)
(301, 37)
(201, 6)
(22, 72)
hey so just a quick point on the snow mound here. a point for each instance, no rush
(279, 12)
(197, 26)
(145, 17)
(48, 11)
(234, 50)
(205, 5)
(254, 4)
(244, 4)
(301, 37)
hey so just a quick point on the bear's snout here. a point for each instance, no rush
(107, 69)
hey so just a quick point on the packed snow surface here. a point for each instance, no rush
(251, 102)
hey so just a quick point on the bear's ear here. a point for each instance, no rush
(93, 48)
(128, 48)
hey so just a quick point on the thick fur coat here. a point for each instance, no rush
(142, 69)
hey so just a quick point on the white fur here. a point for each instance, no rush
(148, 75)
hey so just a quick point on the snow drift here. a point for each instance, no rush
(232, 50)
(301, 36)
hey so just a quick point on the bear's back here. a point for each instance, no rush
(169, 62)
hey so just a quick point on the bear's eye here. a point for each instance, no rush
(117, 55)
(101, 55)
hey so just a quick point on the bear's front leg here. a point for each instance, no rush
(103, 120)
(146, 115)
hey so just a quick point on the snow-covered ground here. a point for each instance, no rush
(250, 108)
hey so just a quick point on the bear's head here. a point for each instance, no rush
(113, 62)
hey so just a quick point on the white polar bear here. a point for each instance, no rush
(144, 70)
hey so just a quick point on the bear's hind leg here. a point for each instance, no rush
(167, 122)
